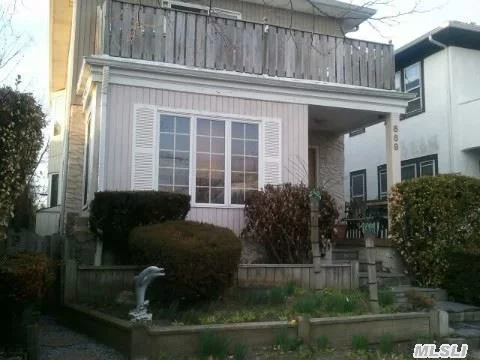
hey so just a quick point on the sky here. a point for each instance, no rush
(31, 20)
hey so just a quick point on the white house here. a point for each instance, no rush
(440, 132)
(212, 98)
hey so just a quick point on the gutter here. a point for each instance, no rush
(451, 162)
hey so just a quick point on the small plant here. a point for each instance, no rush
(240, 352)
(386, 297)
(386, 344)
(321, 343)
(359, 343)
(213, 345)
(285, 342)
(289, 288)
(419, 301)
(277, 296)
(307, 304)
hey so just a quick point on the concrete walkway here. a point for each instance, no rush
(60, 343)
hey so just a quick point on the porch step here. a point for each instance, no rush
(459, 313)
(386, 279)
(400, 293)
(470, 332)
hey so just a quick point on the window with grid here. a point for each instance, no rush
(382, 182)
(358, 185)
(210, 162)
(244, 160)
(410, 80)
(174, 157)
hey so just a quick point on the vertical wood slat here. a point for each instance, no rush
(323, 70)
(229, 47)
(138, 38)
(271, 52)
(210, 49)
(298, 40)
(363, 64)
(315, 58)
(348, 61)
(180, 38)
(191, 37)
(148, 33)
(355, 63)
(280, 35)
(169, 36)
(372, 82)
(389, 68)
(200, 42)
(127, 31)
(158, 52)
(290, 53)
(239, 45)
(117, 33)
(258, 49)
(331, 44)
(379, 63)
(340, 60)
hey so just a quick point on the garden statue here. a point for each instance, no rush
(142, 281)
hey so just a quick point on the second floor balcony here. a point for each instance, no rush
(196, 40)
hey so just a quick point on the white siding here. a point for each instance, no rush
(119, 130)
(420, 135)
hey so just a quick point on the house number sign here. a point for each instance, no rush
(395, 138)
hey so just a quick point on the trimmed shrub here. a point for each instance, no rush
(113, 215)
(461, 281)
(200, 260)
(431, 218)
(279, 219)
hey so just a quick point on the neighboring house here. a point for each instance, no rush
(440, 131)
(214, 102)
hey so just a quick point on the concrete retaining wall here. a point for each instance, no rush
(140, 342)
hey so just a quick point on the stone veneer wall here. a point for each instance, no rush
(331, 168)
(74, 183)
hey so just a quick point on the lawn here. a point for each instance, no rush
(260, 304)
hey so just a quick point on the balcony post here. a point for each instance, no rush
(392, 129)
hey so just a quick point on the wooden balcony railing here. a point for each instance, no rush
(176, 37)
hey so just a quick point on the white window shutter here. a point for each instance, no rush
(144, 148)
(272, 152)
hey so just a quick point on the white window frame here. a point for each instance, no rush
(381, 171)
(400, 76)
(427, 162)
(363, 175)
(228, 118)
(409, 165)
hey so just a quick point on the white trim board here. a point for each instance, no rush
(157, 75)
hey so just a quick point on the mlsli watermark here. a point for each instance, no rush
(444, 351)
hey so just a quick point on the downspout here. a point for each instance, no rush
(451, 161)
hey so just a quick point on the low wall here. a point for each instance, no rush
(102, 284)
(335, 275)
(140, 341)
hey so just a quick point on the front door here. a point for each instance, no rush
(312, 167)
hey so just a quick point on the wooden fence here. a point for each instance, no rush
(26, 240)
(102, 284)
(157, 34)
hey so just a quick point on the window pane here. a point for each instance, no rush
(251, 181)
(217, 178)
(203, 127)
(398, 81)
(202, 195)
(217, 196)
(237, 163)
(412, 76)
(203, 144)
(251, 164)
(251, 148)
(181, 177)
(238, 147)
(210, 173)
(218, 146)
(251, 131)
(165, 176)
(416, 92)
(238, 130)
(167, 123)
(165, 188)
(203, 161)
(427, 168)
(218, 128)
(181, 189)
(409, 172)
(182, 125)
(182, 160)
(238, 196)
(203, 178)
(182, 142)
(383, 182)
(166, 159)
(166, 142)
(238, 178)
(358, 182)
(218, 162)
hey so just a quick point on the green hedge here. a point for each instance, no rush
(114, 214)
(461, 281)
(200, 260)
(431, 218)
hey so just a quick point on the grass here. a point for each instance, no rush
(240, 305)
(321, 343)
(386, 344)
(386, 297)
(359, 343)
(213, 345)
(285, 342)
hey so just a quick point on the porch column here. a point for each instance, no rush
(393, 152)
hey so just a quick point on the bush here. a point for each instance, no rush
(431, 218)
(200, 260)
(114, 214)
(279, 219)
(460, 281)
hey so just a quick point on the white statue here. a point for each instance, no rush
(142, 281)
